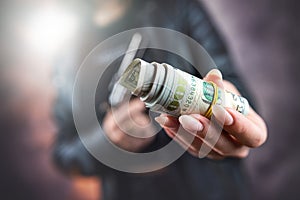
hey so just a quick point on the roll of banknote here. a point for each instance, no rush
(165, 89)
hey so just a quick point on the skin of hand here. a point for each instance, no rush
(129, 127)
(239, 132)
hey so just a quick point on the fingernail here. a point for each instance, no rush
(190, 123)
(218, 110)
(228, 118)
(161, 120)
(215, 72)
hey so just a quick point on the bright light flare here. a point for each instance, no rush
(50, 29)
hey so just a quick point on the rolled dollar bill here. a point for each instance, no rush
(165, 89)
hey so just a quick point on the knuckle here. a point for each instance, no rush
(222, 153)
(240, 128)
(193, 153)
(243, 154)
(116, 138)
(257, 141)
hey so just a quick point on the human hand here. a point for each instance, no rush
(128, 126)
(239, 132)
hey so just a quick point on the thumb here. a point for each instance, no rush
(215, 76)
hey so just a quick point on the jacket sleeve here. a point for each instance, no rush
(69, 153)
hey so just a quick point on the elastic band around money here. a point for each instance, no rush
(215, 97)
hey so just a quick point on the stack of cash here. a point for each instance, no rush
(165, 89)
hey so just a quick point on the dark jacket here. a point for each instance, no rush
(188, 177)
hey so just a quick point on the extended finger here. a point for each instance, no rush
(250, 131)
(212, 135)
(167, 121)
(194, 148)
(182, 142)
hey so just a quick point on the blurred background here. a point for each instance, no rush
(263, 39)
